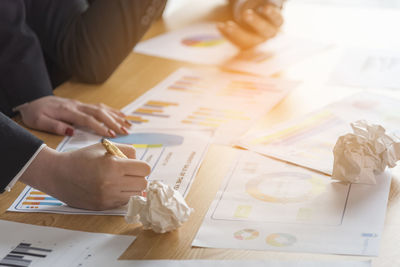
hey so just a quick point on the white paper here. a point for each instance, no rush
(240, 263)
(57, 247)
(202, 43)
(368, 68)
(229, 103)
(175, 156)
(360, 155)
(265, 204)
(162, 210)
(309, 141)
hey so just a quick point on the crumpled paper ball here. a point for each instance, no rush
(162, 210)
(358, 155)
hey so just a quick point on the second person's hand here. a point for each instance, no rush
(255, 27)
(59, 115)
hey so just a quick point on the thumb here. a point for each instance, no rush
(51, 125)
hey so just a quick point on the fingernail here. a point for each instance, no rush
(69, 132)
(111, 133)
(128, 123)
(124, 130)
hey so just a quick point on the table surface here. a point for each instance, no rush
(374, 28)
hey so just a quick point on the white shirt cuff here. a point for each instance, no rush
(19, 174)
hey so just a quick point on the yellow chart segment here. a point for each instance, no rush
(308, 123)
(160, 103)
(146, 145)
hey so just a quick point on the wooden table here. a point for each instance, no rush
(138, 73)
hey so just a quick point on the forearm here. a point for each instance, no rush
(23, 71)
(41, 172)
(17, 146)
(99, 39)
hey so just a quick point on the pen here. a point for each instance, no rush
(112, 149)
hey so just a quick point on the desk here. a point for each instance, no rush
(138, 73)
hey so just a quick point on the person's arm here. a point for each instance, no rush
(25, 85)
(99, 39)
(87, 178)
(17, 148)
(23, 72)
(254, 22)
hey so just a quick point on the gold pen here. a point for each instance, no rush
(112, 149)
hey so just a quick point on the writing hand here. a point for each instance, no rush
(88, 178)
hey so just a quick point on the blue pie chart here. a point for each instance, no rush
(150, 139)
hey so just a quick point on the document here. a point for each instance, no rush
(27, 245)
(175, 156)
(197, 98)
(368, 68)
(239, 263)
(309, 141)
(203, 44)
(265, 204)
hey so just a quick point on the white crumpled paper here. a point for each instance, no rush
(162, 210)
(369, 149)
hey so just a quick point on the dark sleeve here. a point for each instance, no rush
(17, 146)
(22, 68)
(99, 39)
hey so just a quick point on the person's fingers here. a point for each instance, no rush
(132, 184)
(103, 115)
(128, 150)
(113, 110)
(51, 125)
(82, 119)
(239, 36)
(121, 120)
(135, 167)
(260, 25)
(272, 14)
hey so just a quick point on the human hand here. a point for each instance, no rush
(254, 27)
(88, 178)
(58, 115)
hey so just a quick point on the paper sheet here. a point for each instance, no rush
(202, 43)
(29, 245)
(175, 156)
(309, 141)
(265, 204)
(368, 68)
(229, 103)
(241, 263)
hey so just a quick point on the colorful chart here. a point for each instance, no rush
(246, 234)
(285, 187)
(281, 239)
(248, 89)
(187, 84)
(205, 40)
(310, 126)
(37, 199)
(151, 108)
(213, 117)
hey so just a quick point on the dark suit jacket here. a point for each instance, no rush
(45, 42)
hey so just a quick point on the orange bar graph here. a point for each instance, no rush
(36, 193)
